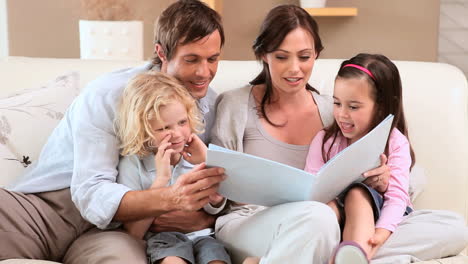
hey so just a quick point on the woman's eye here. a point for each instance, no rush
(304, 58)
(281, 57)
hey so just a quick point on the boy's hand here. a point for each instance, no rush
(376, 241)
(162, 161)
(195, 151)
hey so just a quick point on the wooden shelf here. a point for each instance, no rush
(332, 11)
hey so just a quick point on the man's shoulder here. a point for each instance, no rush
(113, 81)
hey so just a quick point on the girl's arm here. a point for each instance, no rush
(396, 198)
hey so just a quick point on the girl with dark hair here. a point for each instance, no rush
(367, 89)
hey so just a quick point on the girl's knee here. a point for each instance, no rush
(357, 194)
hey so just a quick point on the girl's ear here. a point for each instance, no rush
(160, 52)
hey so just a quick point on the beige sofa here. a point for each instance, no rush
(32, 100)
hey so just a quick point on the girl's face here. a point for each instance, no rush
(174, 122)
(291, 64)
(354, 107)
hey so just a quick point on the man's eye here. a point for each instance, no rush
(213, 59)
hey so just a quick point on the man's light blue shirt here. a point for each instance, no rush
(82, 152)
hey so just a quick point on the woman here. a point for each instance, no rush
(276, 117)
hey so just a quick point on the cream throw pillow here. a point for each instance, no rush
(28, 118)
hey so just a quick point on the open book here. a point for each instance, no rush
(255, 180)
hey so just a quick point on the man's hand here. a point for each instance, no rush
(183, 221)
(193, 189)
(378, 178)
(195, 151)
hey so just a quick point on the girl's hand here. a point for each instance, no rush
(162, 161)
(378, 178)
(216, 200)
(195, 151)
(376, 241)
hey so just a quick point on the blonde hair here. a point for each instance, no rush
(142, 98)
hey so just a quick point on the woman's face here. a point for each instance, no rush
(291, 63)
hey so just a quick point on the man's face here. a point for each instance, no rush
(195, 64)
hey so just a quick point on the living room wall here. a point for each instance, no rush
(398, 28)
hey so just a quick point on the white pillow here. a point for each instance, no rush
(27, 119)
(11, 166)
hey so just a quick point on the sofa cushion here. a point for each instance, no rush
(28, 118)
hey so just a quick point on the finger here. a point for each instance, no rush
(374, 172)
(162, 147)
(206, 193)
(383, 159)
(206, 183)
(190, 138)
(200, 172)
(167, 154)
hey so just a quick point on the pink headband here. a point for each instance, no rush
(360, 68)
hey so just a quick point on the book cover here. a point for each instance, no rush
(260, 181)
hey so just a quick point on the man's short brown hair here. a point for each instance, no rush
(183, 22)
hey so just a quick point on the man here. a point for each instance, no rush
(51, 212)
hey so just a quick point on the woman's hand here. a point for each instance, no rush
(378, 178)
(216, 200)
(162, 161)
(376, 241)
(195, 151)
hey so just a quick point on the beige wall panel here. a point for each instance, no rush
(401, 29)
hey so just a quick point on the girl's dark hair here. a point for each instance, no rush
(386, 90)
(183, 22)
(277, 24)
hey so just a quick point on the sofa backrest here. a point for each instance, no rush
(435, 101)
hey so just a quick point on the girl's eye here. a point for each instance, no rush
(182, 122)
(353, 107)
(160, 129)
(336, 103)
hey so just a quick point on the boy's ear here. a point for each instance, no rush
(158, 49)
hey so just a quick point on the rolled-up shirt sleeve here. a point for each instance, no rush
(96, 155)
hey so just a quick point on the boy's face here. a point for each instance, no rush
(174, 125)
(195, 64)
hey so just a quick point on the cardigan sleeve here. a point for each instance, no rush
(231, 119)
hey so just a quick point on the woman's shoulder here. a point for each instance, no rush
(237, 97)
(325, 106)
(237, 93)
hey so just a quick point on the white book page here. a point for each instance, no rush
(255, 180)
